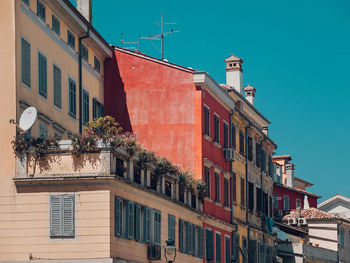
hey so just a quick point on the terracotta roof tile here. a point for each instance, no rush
(314, 214)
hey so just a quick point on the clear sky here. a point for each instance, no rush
(296, 54)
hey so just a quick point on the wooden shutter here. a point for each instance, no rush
(252, 251)
(147, 225)
(218, 247)
(25, 57)
(137, 222)
(55, 216)
(201, 242)
(42, 75)
(209, 244)
(57, 88)
(190, 238)
(227, 250)
(117, 217)
(234, 188)
(181, 237)
(171, 227)
(235, 246)
(131, 223)
(68, 215)
(261, 253)
(233, 136)
(242, 192)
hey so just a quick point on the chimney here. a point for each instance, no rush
(265, 130)
(234, 73)
(290, 174)
(250, 93)
(85, 8)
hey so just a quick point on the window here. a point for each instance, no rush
(55, 25)
(259, 201)
(58, 134)
(242, 192)
(41, 10)
(207, 180)
(233, 136)
(84, 52)
(245, 249)
(156, 227)
(85, 106)
(72, 98)
(226, 195)
(275, 201)
(193, 201)
(62, 216)
(167, 188)
(298, 203)
(137, 174)
(252, 251)
(271, 167)
(217, 187)
(218, 247)
(120, 167)
(206, 121)
(57, 87)
(251, 196)
(241, 142)
(43, 130)
(250, 148)
(227, 250)
(286, 203)
(258, 154)
(234, 189)
(263, 160)
(71, 39)
(341, 238)
(97, 109)
(26, 2)
(25, 59)
(216, 129)
(235, 247)
(266, 203)
(171, 227)
(154, 182)
(42, 75)
(97, 64)
(209, 245)
(225, 135)
(191, 238)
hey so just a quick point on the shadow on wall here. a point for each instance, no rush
(114, 94)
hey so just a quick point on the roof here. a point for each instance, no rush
(315, 214)
(233, 58)
(303, 181)
(282, 157)
(297, 190)
(333, 198)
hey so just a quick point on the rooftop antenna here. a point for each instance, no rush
(27, 119)
(128, 43)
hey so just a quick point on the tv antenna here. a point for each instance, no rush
(122, 42)
(27, 119)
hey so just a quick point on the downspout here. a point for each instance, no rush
(262, 193)
(338, 232)
(81, 81)
(246, 185)
(231, 137)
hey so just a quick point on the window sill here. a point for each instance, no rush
(218, 145)
(208, 200)
(218, 204)
(227, 208)
(207, 137)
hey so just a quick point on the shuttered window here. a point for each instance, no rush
(242, 192)
(241, 142)
(85, 106)
(244, 249)
(225, 135)
(156, 227)
(209, 245)
(235, 247)
(286, 203)
(62, 216)
(234, 188)
(250, 148)
(341, 238)
(226, 193)
(70, 39)
(57, 86)
(263, 160)
(147, 225)
(217, 187)
(227, 250)
(97, 64)
(72, 98)
(207, 180)
(137, 222)
(252, 251)
(233, 136)
(41, 12)
(216, 129)
(25, 59)
(171, 227)
(181, 236)
(218, 247)
(261, 253)
(189, 238)
(42, 75)
(251, 196)
(206, 121)
(84, 52)
(131, 224)
(97, 109)
(201, 242)
(56, 25)
(118, 217)
(258, 154)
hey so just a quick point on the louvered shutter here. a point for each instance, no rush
(68, 215)
(201, 242)
(186, 237)
(235, 246)
(117, 217)
(25, 56)
(137, 222)
(218, 247)
(209, 244)
(171, 227)
(94, 108)
(148, 225)
(227, 250)
(190, 238)
(262, 256)
(57, 86)
(194, 252)
(55, 216)
(42, 75)
(131, 223)
(181, 237)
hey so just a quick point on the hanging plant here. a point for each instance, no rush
(164, 166)
(21, 144)
(43, 144)
(82, 144)
(130, 143)
(201, 189)
(146, 157)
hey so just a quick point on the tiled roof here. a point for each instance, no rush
(297, 190)
(314, 214)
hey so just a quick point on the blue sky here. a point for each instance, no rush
(295, 53)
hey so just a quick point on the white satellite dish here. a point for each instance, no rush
(28, 118)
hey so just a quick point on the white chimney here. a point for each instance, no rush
(85, 8)
(250, 94)
(290, 174)
(234, 73)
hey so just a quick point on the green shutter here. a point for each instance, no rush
(218, 247)
(194, 252)
(57, 86)
(117, 217)
(227, 250)
(68, 215)
(235, 246)
(148, 225)
(186, 245)
(131, 224)
(181, 237)
(137, 222)
(25, 57)
(209, 244)
(42, 75)
(157, 227)
(201, 242)
(190, 238)
(55, 216)
(171, 227)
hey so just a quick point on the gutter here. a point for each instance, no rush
(81, 81)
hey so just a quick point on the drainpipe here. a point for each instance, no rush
(338, 230)
(231, 113)
(81, 81)
(246, 186)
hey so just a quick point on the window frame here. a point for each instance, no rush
(56, 25)
(71, 39)
(42, 90)
(28, 85)
(97, 64)
(72, 93)
(206, 120)
(41, 10)
(54, 86)
(216, 119)
(62, 214)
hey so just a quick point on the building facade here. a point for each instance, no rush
(337, 204)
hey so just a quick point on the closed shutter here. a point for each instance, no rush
(68, 215)
(42, 75)
(147, 225)
(201, 242)
(72, 98)
(57, 86)
(171, 227)
(131, 223)
(25, 57)
(181, 237)
(252, 251)
(194, 251)
(227, 250)
(117, 217)
(85, 106)
(187, 231)
(209, 244)
(190, 238)
(234, 188)
(261, 253)
(235, 246)
(158, 227)
(94, 108)
(55, 216)
(137, 222)
(218, 247)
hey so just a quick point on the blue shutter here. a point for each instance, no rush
(42, 75)
(137, 222)
(25, 58)
(55, 216)
(218, 247)
(227, 250)
(156, 227)
(57, 86)
(194, 251)
(235, 247)
(171, 227)
(117, 217)
(181, 237)
(68, 216)
(186, 237)
(209, 244)
(201, 242)
(131, 223)
(148, 225)
(190, 238)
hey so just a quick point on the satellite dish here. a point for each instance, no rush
(28, 118)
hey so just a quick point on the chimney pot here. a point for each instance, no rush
(234, 73)
(250, 93)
